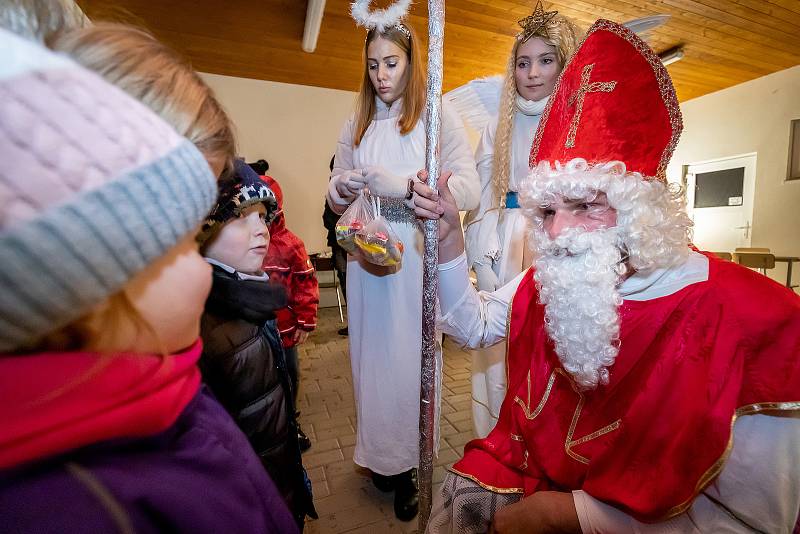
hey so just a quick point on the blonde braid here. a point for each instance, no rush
(560, 32)
(501, 158)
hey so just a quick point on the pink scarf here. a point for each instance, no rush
(51, 403)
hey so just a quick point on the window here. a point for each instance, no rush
(794, 151)
(719, 188)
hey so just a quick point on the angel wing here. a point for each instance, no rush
(643, 25)
(478, 101)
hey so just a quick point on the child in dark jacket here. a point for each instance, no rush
(243, 360)
(287, 263)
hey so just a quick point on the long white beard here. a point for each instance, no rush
(577, 275)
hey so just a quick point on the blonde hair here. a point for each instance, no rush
(99, 328)
(414, 94)
(560, 32)
(157, 76)
(40, 20)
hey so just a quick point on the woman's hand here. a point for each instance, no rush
(383, 183)
(346, 186)
(428, 204)
(487, 278)
(544, 512)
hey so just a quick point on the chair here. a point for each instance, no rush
(325, 264)
(756, 260)
(723, 255)
(751, 249)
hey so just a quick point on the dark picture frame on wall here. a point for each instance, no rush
(793, 169)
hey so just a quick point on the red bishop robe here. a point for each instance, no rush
(689, 364)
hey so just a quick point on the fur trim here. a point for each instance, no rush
(379, 19)
(656, 229)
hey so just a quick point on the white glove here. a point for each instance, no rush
(487, 279)
(385, 184)
(344, 188)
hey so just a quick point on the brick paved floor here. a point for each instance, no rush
(344, 495)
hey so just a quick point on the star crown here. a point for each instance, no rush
(533, 22)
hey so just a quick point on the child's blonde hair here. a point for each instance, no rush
(40, 20)
(560, 32)
(100, 328)
(157, 76)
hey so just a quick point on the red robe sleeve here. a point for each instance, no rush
(501, 462)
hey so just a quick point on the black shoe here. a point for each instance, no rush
(343, 331)
(382, 482)
(303, 440)
(406, 496)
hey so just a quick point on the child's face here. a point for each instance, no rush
(170, 296)
(242, 243)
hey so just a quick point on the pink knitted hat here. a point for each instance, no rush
(93, 188)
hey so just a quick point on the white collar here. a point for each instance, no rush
(530, 107)
(648, 285)
(384, 110)
(242, 276)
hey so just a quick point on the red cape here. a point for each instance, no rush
(661, 430)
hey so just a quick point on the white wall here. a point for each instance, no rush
(295, 128)
(752, 117)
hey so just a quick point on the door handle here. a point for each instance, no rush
(746, 229)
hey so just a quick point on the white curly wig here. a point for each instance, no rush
(579, 271)
(656, 231)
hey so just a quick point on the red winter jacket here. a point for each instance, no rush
(287, 263)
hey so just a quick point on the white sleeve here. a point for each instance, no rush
(457, 158)
(757, 491)
(482, 240)
(342, 161)
(473, 319)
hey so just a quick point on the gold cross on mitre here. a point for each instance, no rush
(578, 97)
(534, 21)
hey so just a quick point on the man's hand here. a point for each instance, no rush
(544, 512)
(299, 337)
(428, 204)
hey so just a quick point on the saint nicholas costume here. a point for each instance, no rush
(698, 427)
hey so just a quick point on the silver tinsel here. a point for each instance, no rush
(395, 210)
(430, 276)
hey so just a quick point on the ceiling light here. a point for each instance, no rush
(672, 55)
(314, 12)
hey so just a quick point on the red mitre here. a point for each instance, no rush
(614, 101)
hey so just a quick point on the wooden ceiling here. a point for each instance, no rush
(726, 42)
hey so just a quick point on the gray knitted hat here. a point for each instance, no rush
(93, 188)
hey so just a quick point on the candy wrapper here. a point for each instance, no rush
(378, 242)
(355, 218)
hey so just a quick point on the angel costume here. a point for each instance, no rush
(384, 304)
(495, 236)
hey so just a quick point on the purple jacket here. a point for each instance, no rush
(200, 475)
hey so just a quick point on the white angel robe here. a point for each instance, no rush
(384, 304)
(496, 237)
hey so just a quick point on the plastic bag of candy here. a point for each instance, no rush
(377, 241)
(358, 215)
